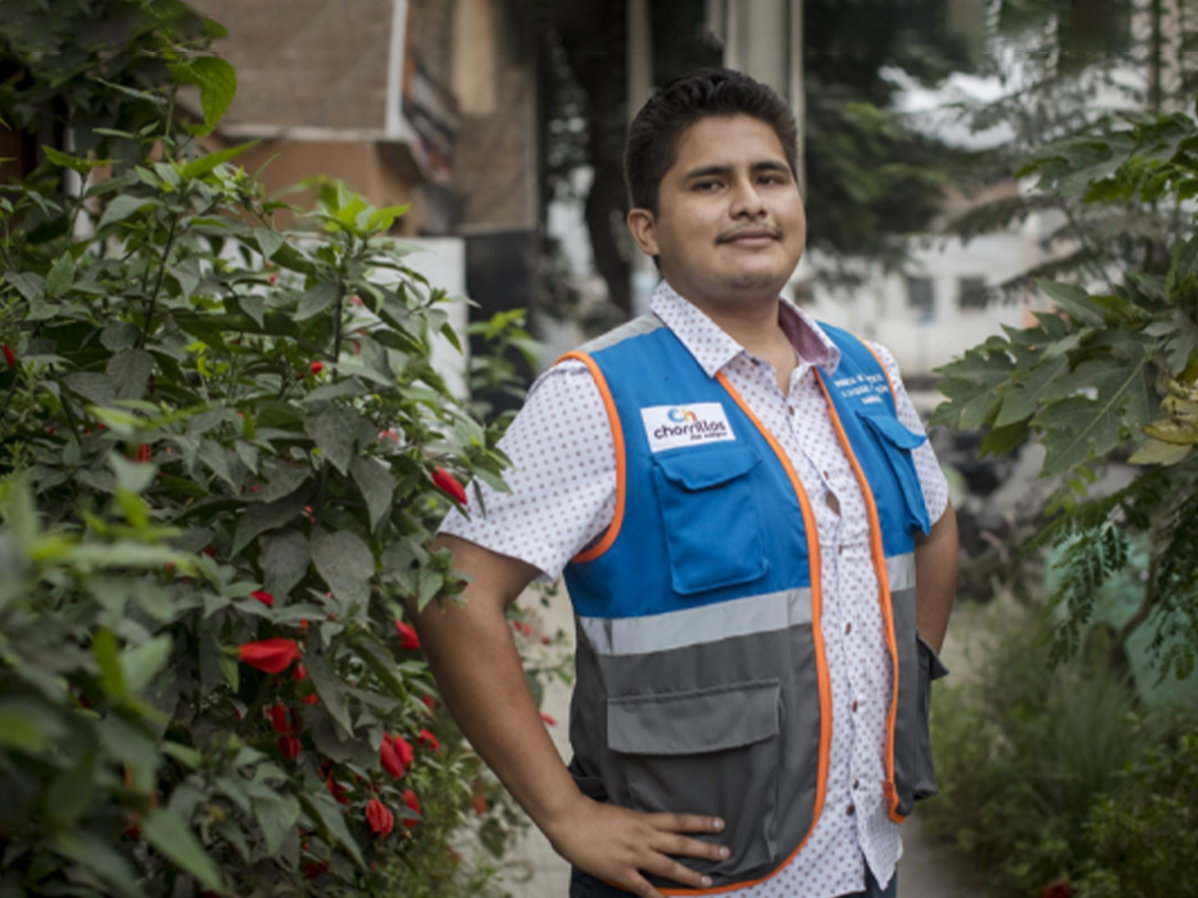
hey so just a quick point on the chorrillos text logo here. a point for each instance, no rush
(671, 426)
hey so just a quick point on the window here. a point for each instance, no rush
(921, 297)
(971, 293)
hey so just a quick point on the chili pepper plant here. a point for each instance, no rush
(219, 475)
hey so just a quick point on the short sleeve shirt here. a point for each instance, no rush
(562, 497)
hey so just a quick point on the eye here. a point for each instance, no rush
(705, 186)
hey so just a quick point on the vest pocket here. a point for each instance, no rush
(713, 529)
(896, 443)
(708, 751)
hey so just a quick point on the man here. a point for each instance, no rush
(743, 502)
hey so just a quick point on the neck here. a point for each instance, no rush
(753, 323)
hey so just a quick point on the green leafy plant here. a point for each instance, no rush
(223, 449)
(1112, 369)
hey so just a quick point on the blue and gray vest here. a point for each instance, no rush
(702, 685)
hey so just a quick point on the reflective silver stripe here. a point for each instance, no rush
(900, 571)
(695, 626)
(644, 324)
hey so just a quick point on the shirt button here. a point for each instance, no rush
(850, 810)
(848, 628)
(854, 706)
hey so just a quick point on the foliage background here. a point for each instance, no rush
(222, 451)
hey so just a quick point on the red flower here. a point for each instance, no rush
(380, 819)
(289, 747)
(309, 699)
(403, 750)
(313, 869)
(274, 278)
(10, 356)
(409, 798)
(280, 718)
(303, 625)
(549, 720)
(263, 596)
(429, 702)
(300, 672)
(210, 551)
(270, 655)
(449, 485)
(144, 453)
(316, 367)
(1060, 888)
(390, 760)
(336, 789)
(428, 740)
(408, 638)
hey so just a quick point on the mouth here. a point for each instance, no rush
(751, 237)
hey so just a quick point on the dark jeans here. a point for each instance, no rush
(583, 885)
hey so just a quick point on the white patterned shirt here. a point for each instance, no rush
(563, 494)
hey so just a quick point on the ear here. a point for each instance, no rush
(642, 224)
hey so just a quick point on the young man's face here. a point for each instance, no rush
(730, 225)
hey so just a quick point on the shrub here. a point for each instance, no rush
(222, 451)
(1022, 750)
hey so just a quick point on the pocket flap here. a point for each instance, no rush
(705, 468)
(879, 418)
(936, 668)
(685, 723)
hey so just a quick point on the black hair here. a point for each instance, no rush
(653, 137)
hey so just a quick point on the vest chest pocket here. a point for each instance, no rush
(707, 751)
(895, 443)
(713, 529)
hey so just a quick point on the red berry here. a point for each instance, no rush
(10, 356)
(316, 367)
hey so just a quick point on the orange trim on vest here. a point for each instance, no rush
(825, 694)
(879, 558)
(617, 438)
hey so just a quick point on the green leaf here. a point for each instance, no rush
(122, 207)
(281, 480)
(276, 817)
(333, 428)
(141, 664)
(1077, 426)
(60, 276)
(108, 659)
(259, 519)
(1184, 264)
(29, 285)
(66, 160)
(1023, 399)
(218, 85)
(186, 756)
(130, 475)
(345, 563)
(284, 559)
(329, 813)
(129, 373)
(1073, 300)
(330, 689)
(100, 858)
(71, 792)
(1158, 452)
(268, 242)
(175, 841)
(376, 484)
(317, 300)
(26, 727)
(199, 167)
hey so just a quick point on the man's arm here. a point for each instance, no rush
(936, 578)
(478, 669)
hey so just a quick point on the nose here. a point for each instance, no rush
(747, 202)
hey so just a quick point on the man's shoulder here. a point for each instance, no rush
(637, 327)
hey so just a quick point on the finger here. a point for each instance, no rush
(685, 823)
(681, 846)
(667, 868)
(640, 886)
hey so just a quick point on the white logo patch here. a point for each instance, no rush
(671, 426)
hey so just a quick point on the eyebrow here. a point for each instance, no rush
(708, 171)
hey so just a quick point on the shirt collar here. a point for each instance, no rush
(713, 348)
